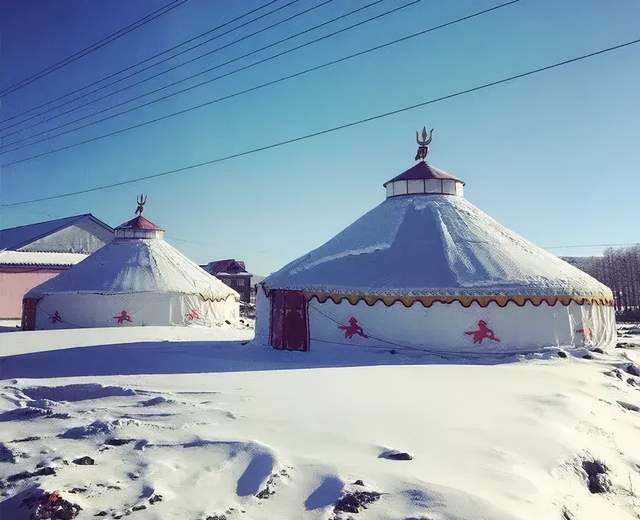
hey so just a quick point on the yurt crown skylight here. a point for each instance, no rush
(423, 178)
(139, 227)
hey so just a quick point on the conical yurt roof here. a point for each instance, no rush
(138, 260)
(434, 247)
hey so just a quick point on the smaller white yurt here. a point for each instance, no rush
(426, 269)
(137, 279)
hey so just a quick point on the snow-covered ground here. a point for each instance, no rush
(190, 424)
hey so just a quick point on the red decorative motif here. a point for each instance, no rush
(122, 317)
(587, 333)
(193, 315)
(482, 333)
(465, 301)
(55, 317)
(352, 329)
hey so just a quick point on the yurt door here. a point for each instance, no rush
(289, 323)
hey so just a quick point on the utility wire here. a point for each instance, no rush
(129, 67)
(164, 60)
(133, 65)
(7, 148)
(233, 60)
(619, 244)
(93, 47)
(144, 80)
(331, 129)
(77, 98)
(592, 245)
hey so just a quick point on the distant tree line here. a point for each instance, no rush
(620, 270)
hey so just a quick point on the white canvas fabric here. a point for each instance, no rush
(450, 327)
(82, 310)
(40, 258)
(148, 279)
(433, 244)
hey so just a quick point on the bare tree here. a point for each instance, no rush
(620, 270)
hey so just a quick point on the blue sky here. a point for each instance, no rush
(554, 157)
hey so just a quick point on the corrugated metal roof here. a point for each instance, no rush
(40, 258)
(13, 238)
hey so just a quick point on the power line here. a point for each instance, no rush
(192, 76)
(331, 129)
(152, 65)
(170, 69)
(592, 245)
(235, 94)
(7, 148)
(144, 80)
(129, 67)
(135, 73)
(619, 244)
(93, 47)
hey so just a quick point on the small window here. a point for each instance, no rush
(449, 187)
(433, 186)
(390, 189)
(400, 188)
(415, 186)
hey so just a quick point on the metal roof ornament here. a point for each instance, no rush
(141, 200)
(423, 144)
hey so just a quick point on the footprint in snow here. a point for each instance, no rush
(258, 470)
(326, 494)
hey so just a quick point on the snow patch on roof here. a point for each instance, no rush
(433, 244)
(40, 258)
(337, 256)
(130, 265)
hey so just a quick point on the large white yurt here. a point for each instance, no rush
(137, 279)
(427, 269)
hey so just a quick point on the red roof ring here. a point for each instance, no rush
(140, 222)
(422, 170)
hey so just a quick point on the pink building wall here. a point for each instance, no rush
(15, 283)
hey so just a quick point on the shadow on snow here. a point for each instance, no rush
(184, 357)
